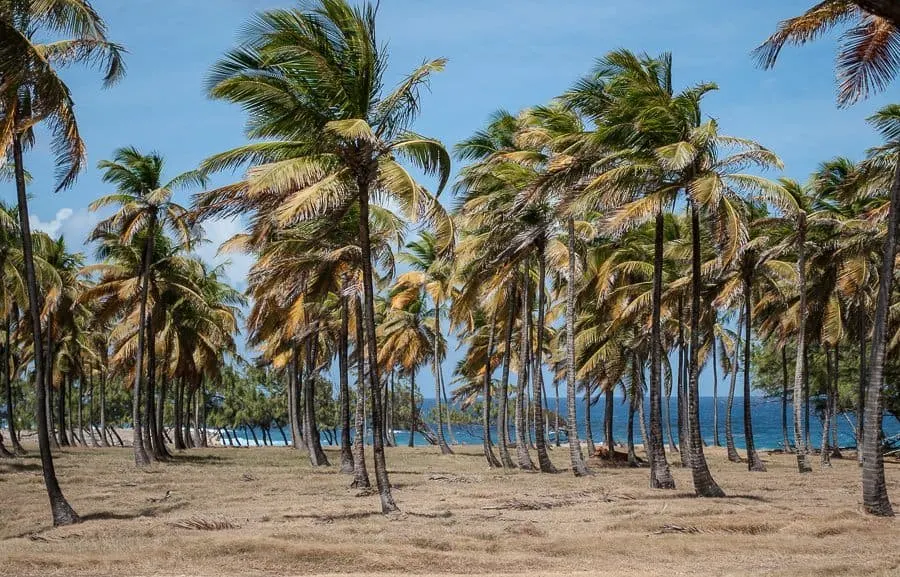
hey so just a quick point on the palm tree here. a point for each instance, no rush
(33, 93)
(145, 207)
(865, 62)
(431, 275)
(321, 66)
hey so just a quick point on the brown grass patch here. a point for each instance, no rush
(270, 513)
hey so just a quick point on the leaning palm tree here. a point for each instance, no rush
(31, 93)
(311, 80)
(145, 207)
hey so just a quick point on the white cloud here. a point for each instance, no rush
(237, 265)
(54, 226)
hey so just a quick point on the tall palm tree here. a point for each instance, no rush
(320, 66)
(145, 207)
(12, 292)
(34, 93)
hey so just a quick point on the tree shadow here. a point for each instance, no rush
(199, 459)
(324, 518)
(20, 465)
(664, 496)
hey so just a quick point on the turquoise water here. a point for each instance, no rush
(766, 424)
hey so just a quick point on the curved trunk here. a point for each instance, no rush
(537, 373)
(754, 463)
(344, 369)
(784, 400)
(442, 443)
(161, 404)
(875, 497)
(62, 512)
(800, 368)
(579, 467)
(486, 398)
(522, 454)
(704, 484)
(502, 417)
(413, 418)
(660, 475)
(447, 408)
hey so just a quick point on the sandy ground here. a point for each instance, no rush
(267, 512)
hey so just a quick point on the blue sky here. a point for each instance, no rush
(502, 54)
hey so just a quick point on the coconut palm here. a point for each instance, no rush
(342, 142)
(33, 93)
(145, 207)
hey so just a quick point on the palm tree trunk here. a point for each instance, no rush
(161, 404)
(784, 400)
(608, 410)
(660, 475)
(381, 475)
(178, 432)
(94, 442)
(10, 405)
(344, 369)
(825, 453)
(442, 443)
(153, 426)
(104, 440)
(141, 457)
(62, 512)
(81, 411)
(486, 397)
(863, 379)
(733, 455)
(800, 376)
(522, 454)
(579, 467)
(537, 373)
(198, 400)
(317, 455)
(360, 475)
(754, 463)
(447, 408)
(704, 484)
(502, 425)
(642, 418)
(412, 408)
(683, 448)
(588, 431)
(48, 384)
(632, 456)
(875, 497)
(715, 372)
(835, 401)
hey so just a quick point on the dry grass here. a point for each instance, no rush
(267, 512)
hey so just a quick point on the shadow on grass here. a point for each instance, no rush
(664, 496)
(20, 465)
(324, 518)
(199, 459)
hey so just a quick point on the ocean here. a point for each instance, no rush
(767, 431)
